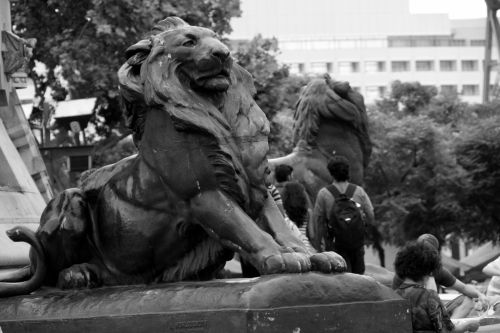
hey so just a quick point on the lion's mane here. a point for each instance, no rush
(236, 124)
(324, 98)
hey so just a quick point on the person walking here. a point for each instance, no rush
(340, 214)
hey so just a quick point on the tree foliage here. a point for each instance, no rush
(411, 177)
(434, 165)
(84, 41)
(478, 152)
(407, 97)
(277, 90)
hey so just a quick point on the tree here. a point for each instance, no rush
(412, 177)
(410, 97)
(277, 91)
(85, 41)
(448, 109)
(258, 56)
(478, 152)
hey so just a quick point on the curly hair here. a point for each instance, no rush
(295, 202)
(282, 172)
(338, 166)
(416, 260)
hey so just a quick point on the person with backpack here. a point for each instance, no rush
(340, 215)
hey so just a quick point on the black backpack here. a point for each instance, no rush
(345, 225)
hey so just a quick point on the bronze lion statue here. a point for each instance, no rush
(330, 118)
(193, 195)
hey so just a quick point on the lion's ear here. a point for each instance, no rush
(137, 53)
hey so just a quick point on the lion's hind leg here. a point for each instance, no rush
(203, 262)
(63, 232)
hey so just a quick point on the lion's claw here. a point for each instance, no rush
(293, 262)
(328, 262)
(79, 276)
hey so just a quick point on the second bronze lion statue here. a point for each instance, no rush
(193, 195)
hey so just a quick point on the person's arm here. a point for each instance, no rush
(464, 325)
(469, 290)
(446, 279)
(316, 224)
(367, 206)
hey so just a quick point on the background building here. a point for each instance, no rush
(371, 43)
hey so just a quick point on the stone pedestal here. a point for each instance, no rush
(294, 303)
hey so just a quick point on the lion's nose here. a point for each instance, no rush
(221, 53)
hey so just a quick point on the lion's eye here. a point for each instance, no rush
(189, 43)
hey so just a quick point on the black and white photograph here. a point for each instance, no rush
(249, 166)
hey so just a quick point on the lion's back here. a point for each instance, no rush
(95, 179)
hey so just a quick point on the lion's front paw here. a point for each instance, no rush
(328, 262)
(292, 262)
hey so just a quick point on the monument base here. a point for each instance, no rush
(294, 303)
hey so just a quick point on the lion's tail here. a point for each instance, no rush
(33, 282)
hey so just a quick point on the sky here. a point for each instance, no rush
(456, 9)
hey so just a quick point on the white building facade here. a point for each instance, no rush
(371, 43)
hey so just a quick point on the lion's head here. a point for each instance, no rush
(177, 63)
(325, 99)
(188, 73)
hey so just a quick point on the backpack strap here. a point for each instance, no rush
(349, 192)
(333, 190)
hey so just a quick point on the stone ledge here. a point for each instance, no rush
(309, 302)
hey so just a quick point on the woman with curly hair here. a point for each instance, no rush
(414, 264)
(296, 205)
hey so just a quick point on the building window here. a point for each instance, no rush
(382, 90)
(470, 65)
(320, 44)
(477, 42)
(399, 42)
(424, 65)
(429, 87)
(374, 43)
(329, 67)
(375, 92)
(372, 93)
(470, 90)
(400, 66)
(296, 68)
(318, 67)
(457, 42)
(448, 65)
(79, 163)
(374, 66)
(347, 67)
(493, 65)
(448, 89)
(292, 45)
(347, 44)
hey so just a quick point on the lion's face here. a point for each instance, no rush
(200, 59)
